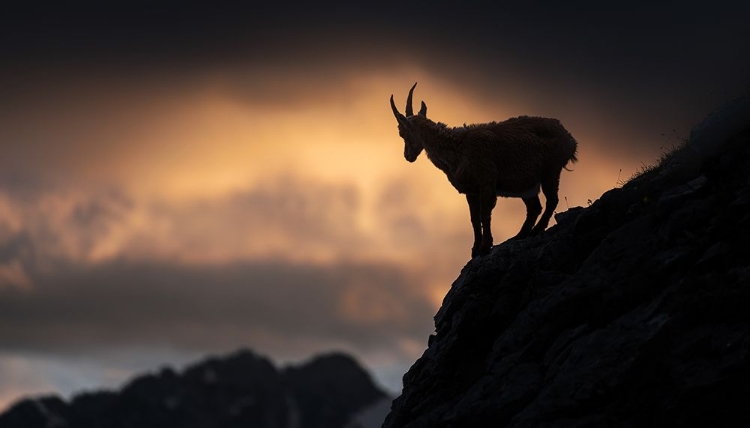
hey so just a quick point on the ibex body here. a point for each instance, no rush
(513, 158)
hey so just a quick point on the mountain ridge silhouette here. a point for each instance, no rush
(238, 390)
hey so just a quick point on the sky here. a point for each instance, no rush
(180, 180)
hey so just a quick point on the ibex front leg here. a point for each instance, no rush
(476, 222)
(487, 199)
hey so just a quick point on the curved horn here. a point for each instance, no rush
(410, 111)
(423, 110)
(400, 117)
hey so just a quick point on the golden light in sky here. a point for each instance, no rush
(148, 191)
(332, 172)
(178, 180)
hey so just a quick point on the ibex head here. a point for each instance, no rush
(413, 144)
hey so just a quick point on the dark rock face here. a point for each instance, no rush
(242, 390)
(634, 311)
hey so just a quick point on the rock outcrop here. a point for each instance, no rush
(634, 311)
(242, 390)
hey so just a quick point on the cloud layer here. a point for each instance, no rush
(284, 263)
(206, 178)
(278, 307)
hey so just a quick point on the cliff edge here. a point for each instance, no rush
(634, 311)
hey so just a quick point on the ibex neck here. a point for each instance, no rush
(440, 145)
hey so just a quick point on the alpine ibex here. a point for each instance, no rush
(513, 158)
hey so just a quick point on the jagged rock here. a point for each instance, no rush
(630, 312)
(241, 390)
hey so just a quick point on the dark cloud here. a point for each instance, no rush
(582, 41)
(120, 304)
(560, 38)
(58, 295)
(637, 65)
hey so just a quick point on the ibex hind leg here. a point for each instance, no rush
(533, 209)
(550, 189)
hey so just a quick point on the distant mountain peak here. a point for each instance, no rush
(238, 390)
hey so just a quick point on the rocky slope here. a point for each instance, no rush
(634, 311)
(242, 390)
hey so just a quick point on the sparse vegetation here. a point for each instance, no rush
(665, 158)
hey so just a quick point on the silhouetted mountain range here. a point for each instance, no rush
(634, 311)
(241, 390)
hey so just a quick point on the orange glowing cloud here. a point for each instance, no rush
(203, 174)
(225, 177)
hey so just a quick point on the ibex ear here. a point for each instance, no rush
(423, 110)
(403, 122)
